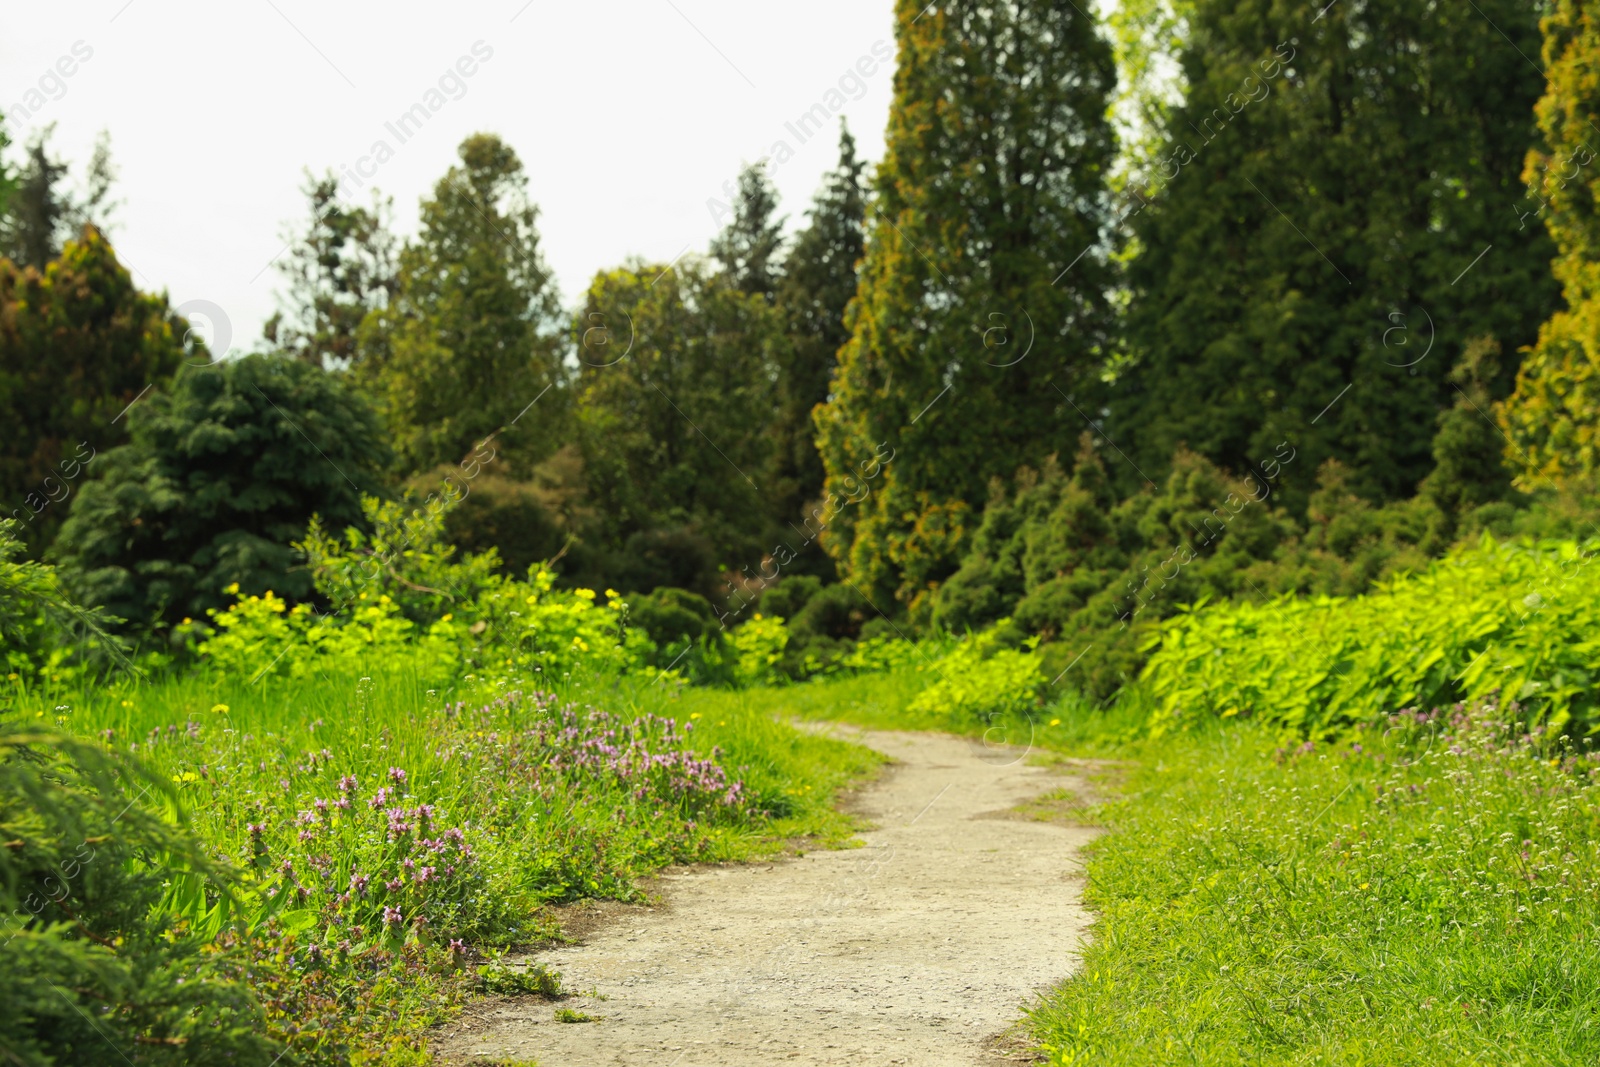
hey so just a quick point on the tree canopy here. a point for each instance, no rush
(982, 313)
(1334, 219)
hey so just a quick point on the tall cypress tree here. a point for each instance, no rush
(749, 247)
(1553, 418)
(981, 310)
(819, 281)
(1340, 179)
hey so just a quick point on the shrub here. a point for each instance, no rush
(399, 594)
(683, 627)
(1515, 618)
(258, 635)
(41, 630)
(757, 648)
(981, 680)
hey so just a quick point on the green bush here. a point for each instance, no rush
(1520, 619)
(399, 595)
(982, 680)
(757, 648)
(222, 472)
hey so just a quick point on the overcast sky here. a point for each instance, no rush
(628, 114)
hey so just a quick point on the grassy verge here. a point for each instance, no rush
(1424, 894)
(385, 835)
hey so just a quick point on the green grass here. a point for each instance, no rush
(1422, 895)
(352, 903)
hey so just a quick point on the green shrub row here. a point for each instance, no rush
(1519, 618)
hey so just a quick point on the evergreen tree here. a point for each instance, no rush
(41, 215)
(819, 281)
(674, 398)
(1553, 419)
(1340, 179)
(222, 474)
(470, 339)
(338, 271)
(93, 954)
(1469, 468)
(79, 344)
(749, 247)
(8, 181)
(981, 314)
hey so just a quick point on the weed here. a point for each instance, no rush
(534, 980)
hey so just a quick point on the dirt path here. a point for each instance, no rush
(920, 948)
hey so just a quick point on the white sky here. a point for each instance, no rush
(628, 114)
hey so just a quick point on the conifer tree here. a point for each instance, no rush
(224, 469)
(981, 313)
(819, 281)
(79, 344)
(1336, 216)
(749, 247)
(1553, 418)
(42, 213)
(471, 338)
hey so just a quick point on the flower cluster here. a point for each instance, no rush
(364, 867)
(647, 757)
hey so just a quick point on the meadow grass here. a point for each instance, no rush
(1424, 893)
(385, 836)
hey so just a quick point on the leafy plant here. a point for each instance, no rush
(982, 680)
(94, 953)
(533, 980)
(1519, 619)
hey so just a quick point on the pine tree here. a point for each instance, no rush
(749, 247)
(1553, 418)
(41, 215)
(34, 218)
(819, 281)
(338, 271)
(1336, 216)
(981, 315)
(471, 338)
